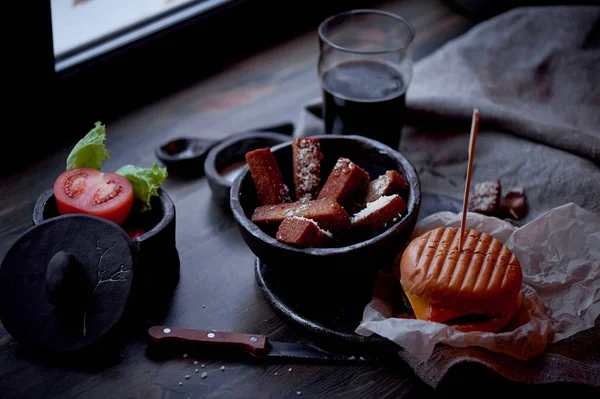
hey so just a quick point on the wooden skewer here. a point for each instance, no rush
(472, 140)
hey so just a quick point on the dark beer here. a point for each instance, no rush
(365, 98)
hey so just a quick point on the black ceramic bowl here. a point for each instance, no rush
(231, 152)
(157, 223)
(351, 260)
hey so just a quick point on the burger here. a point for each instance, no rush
(473, 288)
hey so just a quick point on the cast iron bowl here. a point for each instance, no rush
(157, 223)
(358, 259)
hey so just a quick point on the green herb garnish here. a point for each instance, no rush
(145, 181)
(90, 151)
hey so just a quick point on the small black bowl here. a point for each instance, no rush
(358, 261)
(231, 152)
(157, 223)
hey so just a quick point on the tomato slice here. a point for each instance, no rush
(85, 190)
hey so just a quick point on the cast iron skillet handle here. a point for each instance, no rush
(253, 344)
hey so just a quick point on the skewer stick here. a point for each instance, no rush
(472, 140)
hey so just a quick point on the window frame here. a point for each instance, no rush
(138, 32)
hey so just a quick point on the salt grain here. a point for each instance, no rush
(485, 188)
(293, 212)
(196, 371)
(379, 184)
(484, 195)
(276, 373)
(308, 177)
(185, 355)
(327, 233)
(284, 194)
(222, 368)
(180, 383)
(195, 362)
(204, 375)
(374, 206)
(290, 369)
(202, 366)
(187, 377)
(298, 393)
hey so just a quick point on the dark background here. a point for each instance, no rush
(45, 108)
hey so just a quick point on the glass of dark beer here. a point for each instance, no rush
(365, 67)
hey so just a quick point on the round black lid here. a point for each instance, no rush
(65, 283)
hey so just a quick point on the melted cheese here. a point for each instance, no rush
(421, 307)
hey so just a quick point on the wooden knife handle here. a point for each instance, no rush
(253, 344)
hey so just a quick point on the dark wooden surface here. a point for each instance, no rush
(217, 289)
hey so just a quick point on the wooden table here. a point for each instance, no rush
(217, 289)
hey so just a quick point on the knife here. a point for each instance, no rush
(254, 346)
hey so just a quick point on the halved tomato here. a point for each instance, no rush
(134, 232)
(85, 190)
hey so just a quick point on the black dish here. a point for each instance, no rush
(230, 152)
(329, 319)
(357, 262)
(158, 223)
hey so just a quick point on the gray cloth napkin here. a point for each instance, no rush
(534, 75)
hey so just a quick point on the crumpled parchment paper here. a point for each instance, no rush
(560, 256)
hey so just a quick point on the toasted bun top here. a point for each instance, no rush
(484, 277)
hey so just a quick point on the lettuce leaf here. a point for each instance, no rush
(145, 181)
(90, 151)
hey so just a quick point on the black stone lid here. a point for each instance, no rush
(65, 283)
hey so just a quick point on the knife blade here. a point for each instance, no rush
(255, 346)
